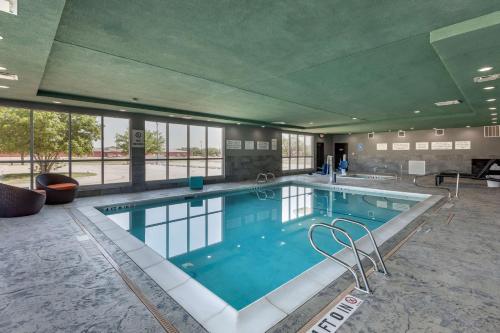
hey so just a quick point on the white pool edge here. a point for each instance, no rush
(215, 314)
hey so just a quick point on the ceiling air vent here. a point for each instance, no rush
(401, 134)
(371, 135)
(492, 131)
(8, 6)
(486, 78)
(439, 132)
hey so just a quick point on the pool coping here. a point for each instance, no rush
(216, 315)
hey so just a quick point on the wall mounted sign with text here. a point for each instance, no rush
(381, 146)
(445, 145)
(262, 145)
(233, 144)
(462, 145)
(422, 145)
(249, 145)
(401, 146)
(137, 139)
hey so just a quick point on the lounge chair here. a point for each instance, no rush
(17, 201)
(60, 189)
(481, 175)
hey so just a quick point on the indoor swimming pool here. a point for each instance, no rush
(242, 245)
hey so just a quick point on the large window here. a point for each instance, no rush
(176, 151)
(297, 152)
(92, 149)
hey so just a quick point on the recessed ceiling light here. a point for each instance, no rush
(171, 115)
(3, 68)
(489, 88)
(354, 118)
(492, 108)
(123, 110)
(485, 69)
(494, 119)
(4, 87)
(1, 37)
(56, 102)
(279, 122)
(262, 126)
(468, 126)
(491, 100)
(310, 123)
(412, 128)
(238, 123)
(494, 114)
(187, 117)
(416, 111)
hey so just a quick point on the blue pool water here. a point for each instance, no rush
(242, 245)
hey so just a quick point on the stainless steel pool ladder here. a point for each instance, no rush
(263, 177)
(352, 246)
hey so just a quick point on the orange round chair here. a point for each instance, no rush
(60, 189)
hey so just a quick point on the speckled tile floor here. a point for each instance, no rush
(444, 279)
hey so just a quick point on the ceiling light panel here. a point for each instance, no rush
(446, 103)
(8, 76)
(485, 69)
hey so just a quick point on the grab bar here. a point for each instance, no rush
(332, 228)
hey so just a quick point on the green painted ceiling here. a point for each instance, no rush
(313, 64)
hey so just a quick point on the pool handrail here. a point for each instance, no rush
(353, 248)
(374, 244)
(261, 175)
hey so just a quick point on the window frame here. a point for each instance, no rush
(295, 155)
(69, 160)
(188, 158)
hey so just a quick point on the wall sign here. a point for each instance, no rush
(422, 145)
(274, 144)
(444, 145)
(401, 146)
(262, 145)
(233, 144)
(337, 315)
(381, 146)
(249, 145)
(462, 145)
(137, 139)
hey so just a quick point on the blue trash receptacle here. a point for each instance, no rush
(196, 183)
